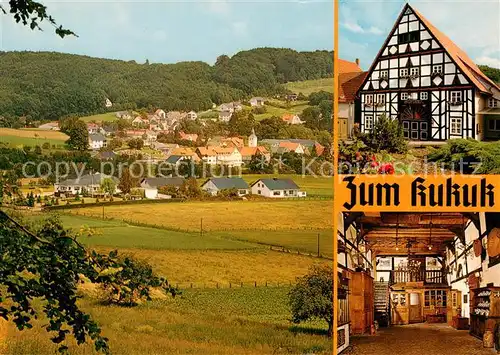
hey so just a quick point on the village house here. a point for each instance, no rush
(97, 141)
(160, 114)
(106, 155)
(188, 153)
(108, 103)
(191, 115)
(124, 115)
(50, 126)
(423, 80)
(92, 128)
(151, 185)
(291, 97)
(135, 133)
(291, 147)
(140, 121)
(277, 188)
(149, 137)
(89, 183)
(165, 148)
(192, 137)
(229, 156)
(291, 118)
(230, 107)
(257, 101)
(176, 160)
(247, 153)
(225, 116)
(300, 146)
(214, 185)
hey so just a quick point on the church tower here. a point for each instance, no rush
(252, 139)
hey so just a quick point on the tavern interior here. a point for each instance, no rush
(397, 269)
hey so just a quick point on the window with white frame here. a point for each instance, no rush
(369, 99)
(368, 122)
(437, 69)
(413, 95)
(384, 74)
(380, 98)
(404, 96)
(456, 96)
(456, 126)
(424, 95)
(403, 72)
(415, 71)
(492, 103)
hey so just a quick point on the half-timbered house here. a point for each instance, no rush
(424, 80)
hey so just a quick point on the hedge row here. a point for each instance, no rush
(113, 203)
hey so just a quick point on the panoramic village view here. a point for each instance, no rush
(174, 195)
(409, 281)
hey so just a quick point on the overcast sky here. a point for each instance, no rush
(169, 31)
(473, 25)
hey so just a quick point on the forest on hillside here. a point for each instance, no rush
(44, 86)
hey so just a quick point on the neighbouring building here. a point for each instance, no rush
(160, 114)
(247, 153)
(252, 139)
(50, 126)
(176, 160)
(89, 183)
(257, 101)
(231, 107)
(108, 103)
(192, 137)
(92, 128)
(277, 188)
(349, 84)
(424, 80)
(300, 146)
(151, 185)
(215, 185)
(97, 141)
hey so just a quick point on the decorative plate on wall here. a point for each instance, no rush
(478, 247)
(494, 242)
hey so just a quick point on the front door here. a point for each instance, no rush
(415, 118)
(454, 306)
(416, 130)
(415, 311)
(343, 129)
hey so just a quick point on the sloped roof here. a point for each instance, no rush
(97, 137)
(228, 183)
(173, 159)
(88, 179)
(349, 84)
(289, 145)
(278, 184)
(468, 67)
(346, 66)
(162, 181)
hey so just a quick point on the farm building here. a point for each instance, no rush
(214, 185)
(277, 188)
(151, 185)
(89, 183)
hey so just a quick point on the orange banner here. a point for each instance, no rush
(443, 193)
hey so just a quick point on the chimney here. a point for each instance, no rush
(357, 61)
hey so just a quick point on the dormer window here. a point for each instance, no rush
(493, 103)
(403, 72)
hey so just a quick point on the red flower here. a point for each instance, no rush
(358, 156)
(374, 164)
(386, 168)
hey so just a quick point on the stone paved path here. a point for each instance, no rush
(418, 339)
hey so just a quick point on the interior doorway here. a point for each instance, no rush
(415, 308)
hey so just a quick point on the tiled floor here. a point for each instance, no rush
(418, 339)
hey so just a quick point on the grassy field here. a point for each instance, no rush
(295, 107)
(103, 117)
(309, 86)
(224, 216)
(31, 137)
(211, 321)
